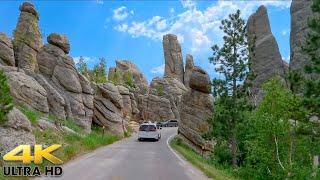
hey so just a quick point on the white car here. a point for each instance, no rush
(149, 131)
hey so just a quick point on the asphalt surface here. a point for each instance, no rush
(130, 159)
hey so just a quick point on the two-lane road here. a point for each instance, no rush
(130, 159)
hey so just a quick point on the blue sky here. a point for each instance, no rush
(133, 30)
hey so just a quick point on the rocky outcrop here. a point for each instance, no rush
(126, 69)
(27, 91)
(108, 107)
(266, 59)
(196, 107)
(300, 13)
(16, 131)
(200, 80)
(27, 38)
(154, 108)
(71, 94)
(6, 51)
(60, 41)
(188, 69)
(130, 109)
(173, 57)
(171, 89)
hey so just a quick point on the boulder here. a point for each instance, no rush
(266, 60)
(16, 131)
(173, 57)
(188, 70)
(171, 89)
(26, 91)
(45, 124)
(6, 51)
(27, 38)
(195, 109)
(60, 41)
(56, 101)
(108, 107)
(154, 108)
(300, 13)
(200, 80)
(126, 101)
(48, 57)
(125, 69)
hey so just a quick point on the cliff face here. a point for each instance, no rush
(173, 57)
(300, 13)
(266, 58)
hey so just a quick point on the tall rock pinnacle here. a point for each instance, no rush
(300, 12)
(173, 57)
(27, 38)
(266, 60)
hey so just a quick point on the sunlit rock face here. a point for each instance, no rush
(173, 57)
(266, 58)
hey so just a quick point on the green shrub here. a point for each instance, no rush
(32, 115)
(6, 101)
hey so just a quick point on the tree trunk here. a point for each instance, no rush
(234, 151)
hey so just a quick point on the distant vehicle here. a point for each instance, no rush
(149, 131)
(170, 123)
(159, 125)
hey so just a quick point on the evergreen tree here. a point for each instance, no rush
(98, 74)
(82, 68)
(312, 83)
(6, 102)
(231, 61)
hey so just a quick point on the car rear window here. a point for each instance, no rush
(147, 128)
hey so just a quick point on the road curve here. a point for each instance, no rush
(130, 159)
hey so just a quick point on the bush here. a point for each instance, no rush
(6, 101)
(32, 115)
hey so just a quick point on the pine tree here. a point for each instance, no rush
(82, 67)
(6, 102)
(312, 84)
(231, 61)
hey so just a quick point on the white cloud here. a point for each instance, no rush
(121, 13)
(158, 70)
(285, 32)
(197, 30)
(99, 1)
(86, 59)
(122, 27)
(172, 10)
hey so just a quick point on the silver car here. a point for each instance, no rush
(149, 131)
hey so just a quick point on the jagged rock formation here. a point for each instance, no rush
(108, 107)
(16, 131)
(6, 51)
(196, 107)
(188, 69)
(171, 89)
(27, 91)
(27, 38)
(300, 13)
(266, 58)
(70, 94)
(126, 67)
(173, 57)
(154, 108)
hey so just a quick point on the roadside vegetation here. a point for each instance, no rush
(280, 137)
(6, 102)
(73, 144)
(205, 165)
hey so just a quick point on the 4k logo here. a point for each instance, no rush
(39, 154)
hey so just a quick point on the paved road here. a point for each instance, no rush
(130, 159)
